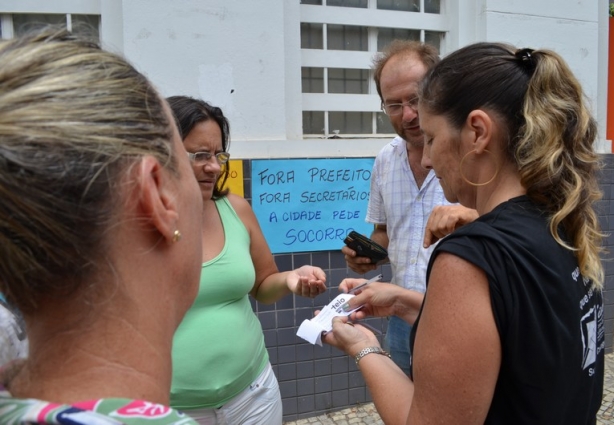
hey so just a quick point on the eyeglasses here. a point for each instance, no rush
(201, 158)
(397, 108)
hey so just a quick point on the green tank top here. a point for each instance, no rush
(218, 349)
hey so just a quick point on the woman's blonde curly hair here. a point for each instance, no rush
(551, 133)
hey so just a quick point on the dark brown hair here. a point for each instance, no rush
(188, 112)
(550, 132)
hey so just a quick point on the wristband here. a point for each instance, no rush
(370, 350)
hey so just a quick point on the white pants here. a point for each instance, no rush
(258, 404)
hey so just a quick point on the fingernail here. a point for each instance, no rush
(346, 307)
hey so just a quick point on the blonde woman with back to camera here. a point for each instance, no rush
(98, 247)
(511, 330)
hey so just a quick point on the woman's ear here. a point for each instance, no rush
(479, 125)
(156, 196)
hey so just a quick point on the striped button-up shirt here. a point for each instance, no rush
(397, 202)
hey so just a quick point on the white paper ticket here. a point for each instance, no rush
(311, 330)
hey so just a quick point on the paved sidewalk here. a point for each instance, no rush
(365, 414)
(606, 413)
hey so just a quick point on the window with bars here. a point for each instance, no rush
(430, 6)
(14, 25)
(339, 95)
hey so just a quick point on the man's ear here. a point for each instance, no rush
(479, 125)
(156, 196)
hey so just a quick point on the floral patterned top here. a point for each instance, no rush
(106, 411)
(113, 411)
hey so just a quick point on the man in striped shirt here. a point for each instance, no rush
(403, 193)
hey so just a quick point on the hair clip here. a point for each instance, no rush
(526, 59)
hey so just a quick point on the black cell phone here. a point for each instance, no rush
(365, 247)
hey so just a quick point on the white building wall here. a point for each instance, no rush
(574, 29)
(208, 49)
(230, 53)
(244, 55)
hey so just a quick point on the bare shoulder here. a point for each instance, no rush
(457, 348)
(452, 276)
(243, 209)
(239, 203)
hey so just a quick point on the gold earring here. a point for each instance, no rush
(176, 236)
(466, 179)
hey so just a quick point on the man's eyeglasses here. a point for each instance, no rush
(397, 108)
(201, 158)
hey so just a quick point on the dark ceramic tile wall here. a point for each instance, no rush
(312, 379)
(315, 380)
(605, 209)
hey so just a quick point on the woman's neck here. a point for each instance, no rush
(506, 188)
(110, 358)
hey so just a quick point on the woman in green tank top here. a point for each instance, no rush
(221, 369)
